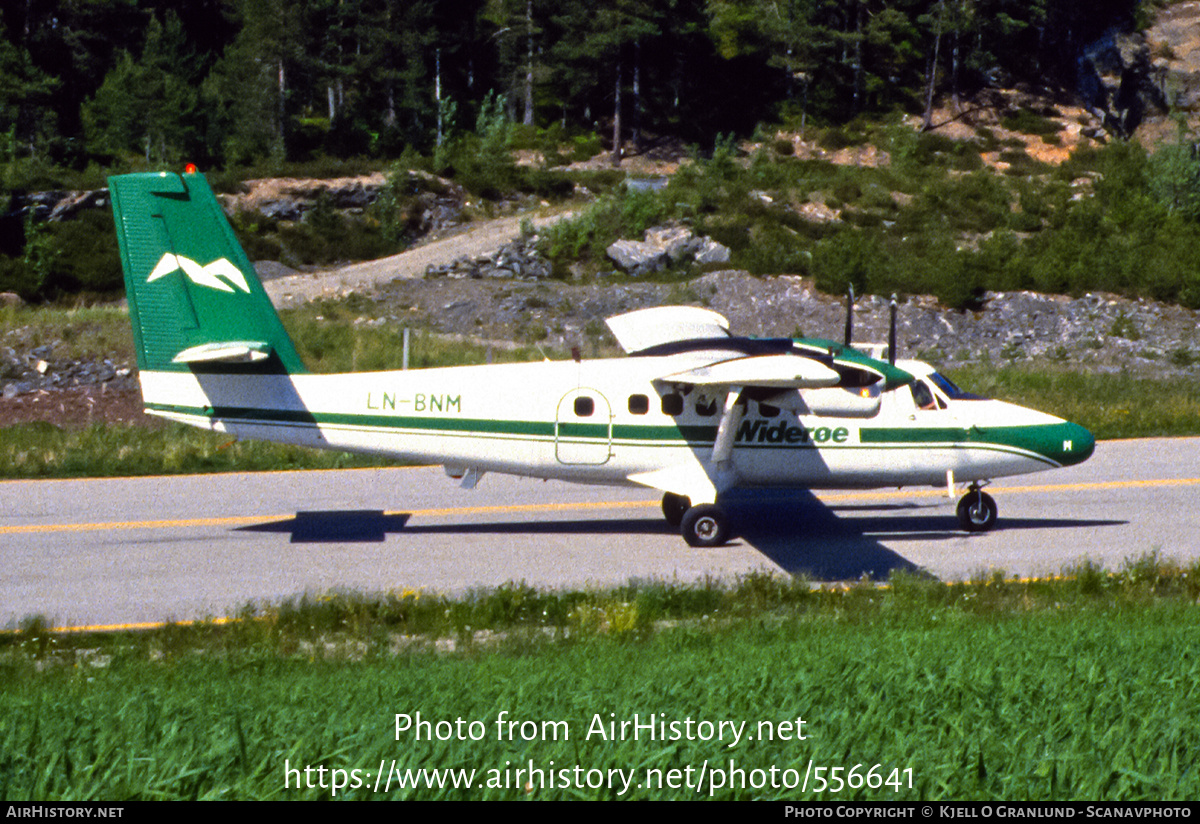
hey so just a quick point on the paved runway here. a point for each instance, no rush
(121, 551)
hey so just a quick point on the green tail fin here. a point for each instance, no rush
(194, 299)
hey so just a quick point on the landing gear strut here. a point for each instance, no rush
(977, 510)
(705, 525)
(674, 506)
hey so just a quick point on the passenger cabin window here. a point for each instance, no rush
(706, 406)
(639, 404)
(672, 404)
(584, 406)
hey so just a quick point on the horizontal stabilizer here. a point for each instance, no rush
(645, 328)
(774, 371)
(239, 351)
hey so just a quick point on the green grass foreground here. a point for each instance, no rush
(1082, 687)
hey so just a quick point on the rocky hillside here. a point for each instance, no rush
(1136, 83)
(1094, 332)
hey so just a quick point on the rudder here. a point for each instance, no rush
(195, 302)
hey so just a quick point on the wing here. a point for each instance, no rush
(778, 371)
(791, 373)
(647, 328)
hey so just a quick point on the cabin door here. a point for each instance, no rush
(583, 428)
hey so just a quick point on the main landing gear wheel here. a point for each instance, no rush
(674, 507)
(705, 525)
(977, 511)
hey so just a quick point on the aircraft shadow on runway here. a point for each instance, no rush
(792, 528)
(803, 535)
(336, 526)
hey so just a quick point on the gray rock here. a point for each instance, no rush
(1117, 81)
(677, 241)
(663, 244)
(75, 202)
(712, 252)
(637, 257)
(281, 210)
(648, 184)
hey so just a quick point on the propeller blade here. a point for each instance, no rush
(849, 312)
(892, 333)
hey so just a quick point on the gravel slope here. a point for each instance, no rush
(476, 240)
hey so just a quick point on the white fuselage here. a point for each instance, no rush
(605, 422)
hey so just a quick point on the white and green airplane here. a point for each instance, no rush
(692, 411)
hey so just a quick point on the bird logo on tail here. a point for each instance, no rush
(208, 276)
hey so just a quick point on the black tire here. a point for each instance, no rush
(705, 525)
(977, 512)
(674, 507)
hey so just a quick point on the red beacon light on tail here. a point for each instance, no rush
(190, 169)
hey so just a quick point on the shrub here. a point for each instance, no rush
(848, 258)
(1173, 175)
(1030, 122)
(624, 214)
(773, 249)
(86, 256)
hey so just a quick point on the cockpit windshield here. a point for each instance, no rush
(951, 391)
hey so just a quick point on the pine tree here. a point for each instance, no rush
(148, 106)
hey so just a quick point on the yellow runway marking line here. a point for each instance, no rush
(488, 510)
(1102, 485)
(202, 475)
(119, 525)
(238, 520)
(266, 519)
(1017, 490)
(145, 625)
(134, 627)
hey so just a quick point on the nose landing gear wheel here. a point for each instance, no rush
(674, 507)
(705, 525)
(977, 511)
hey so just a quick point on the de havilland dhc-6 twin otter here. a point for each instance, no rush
(692, 411)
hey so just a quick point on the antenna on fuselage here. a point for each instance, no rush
(849, 312)
(892, 332)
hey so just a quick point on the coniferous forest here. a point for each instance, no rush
(229, 82)
(261, 88)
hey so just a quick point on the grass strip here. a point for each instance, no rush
(1078, 687)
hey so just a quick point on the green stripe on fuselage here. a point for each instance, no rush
(1059, 444)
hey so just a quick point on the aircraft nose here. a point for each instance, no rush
(1078, 444)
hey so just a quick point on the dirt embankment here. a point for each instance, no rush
(473, 241)
(77, 407)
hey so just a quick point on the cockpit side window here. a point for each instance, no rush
(924, 397)
(951, 391)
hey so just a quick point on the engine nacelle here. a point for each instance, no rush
(830, 403)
